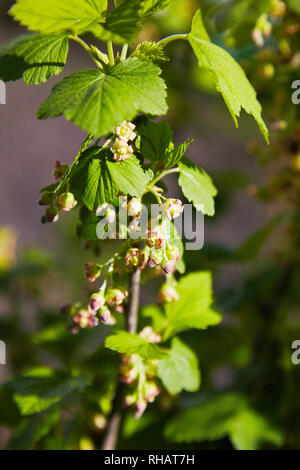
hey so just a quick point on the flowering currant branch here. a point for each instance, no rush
(117, 181)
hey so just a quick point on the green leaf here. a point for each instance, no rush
(174, 156)
(127, 343)
(230, 79)
(41, 388)
(226, 414)
(150, 7)
(128, 176)
(97, 180)
(99, 102)
(208, 421)
(33, 429)
(156, 139)
(149, 50)
(157, 145)
(157, 316)
(55, 16)
(86, 228)
(122, 23)
(34, 57)
(91, 181)
(179, 371)
(197, 187)
(251, 430)
(193, 309)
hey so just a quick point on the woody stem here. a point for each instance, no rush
(114, 423)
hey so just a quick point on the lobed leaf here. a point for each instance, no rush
(226, 414)
(127, 343)
(229, 77)
(39, 389)
(55, 16)
(91, 181)
(34, 57)
(99, 102)
(179, 371)
(193, 309)
(97, 179)
(197, 186)
(157, 145)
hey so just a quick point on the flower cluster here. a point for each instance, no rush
(173, 208)
(122, 149)
(101, 308)
(167, 294)
(162, 253)
(140, 375)
(64, 202)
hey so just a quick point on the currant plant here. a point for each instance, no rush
(120, 169)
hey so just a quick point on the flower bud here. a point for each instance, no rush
(125, 131)
(74, 330)
(51, 214)
(129, 400)
(85, 319)
(140, 408)
(46, 199)
(155, 238)
(172, 253)
(136, 258)
(97, 301)
(59, 170)
(66, 202)
(92, 271)
(134, 207)
(107, 211)
(150, 335)
(173, 208)
(168, 267)
(128, 373)
(121, 150)
(257, 37)
(155, 258)
(151, 391)
(167, 294)
(116, 296)
(106, 316)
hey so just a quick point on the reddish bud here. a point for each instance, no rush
(92, 271)
(97, 301)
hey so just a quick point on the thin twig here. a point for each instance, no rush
(114, 422)
(132, 317)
